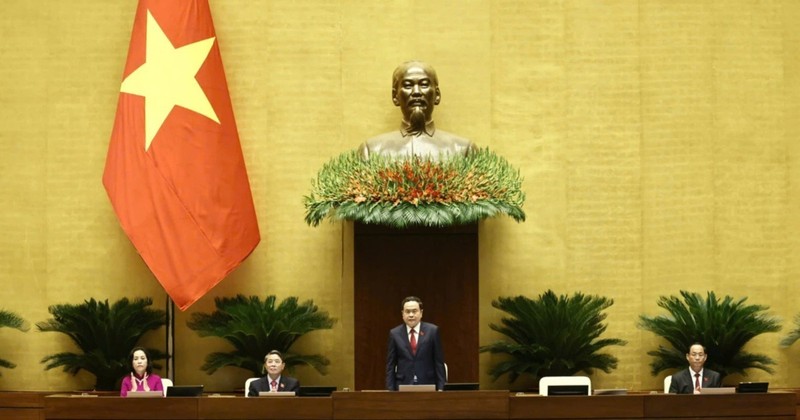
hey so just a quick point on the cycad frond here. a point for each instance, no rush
(793, 335)
(254, 327)
(105, 334)
(11, 320)
(724, 326)
(552, 335)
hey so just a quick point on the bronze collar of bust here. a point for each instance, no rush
(407, 130)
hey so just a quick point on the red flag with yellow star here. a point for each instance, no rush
(174, 171)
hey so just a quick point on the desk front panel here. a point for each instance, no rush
(574, 407)
(21, 406)
(773, 405)
(273, 408)
(469, 405)
(117, 408)
(420, 405)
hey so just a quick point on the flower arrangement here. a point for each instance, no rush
(415, 191)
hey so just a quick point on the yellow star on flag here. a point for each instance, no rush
(167, 79)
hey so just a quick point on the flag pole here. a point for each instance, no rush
(170, 340)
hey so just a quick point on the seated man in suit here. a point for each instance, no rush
(690, 381)
(414, 355)
(273, 381)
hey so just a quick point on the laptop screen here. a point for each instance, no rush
(464, 386)
(316, 391)
(184, 391)
(568, 390)
(745, 387)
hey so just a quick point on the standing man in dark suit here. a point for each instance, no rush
(690, 381)
(415, 355)
(274, 381)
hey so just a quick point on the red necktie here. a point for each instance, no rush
(413, 343)
(274, 386)
(697, 381)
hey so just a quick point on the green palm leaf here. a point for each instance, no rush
(254, 327)
(11, 320)
(793, 335)
(6, 364)
(105, 334)
(724, 326)
(552, 336)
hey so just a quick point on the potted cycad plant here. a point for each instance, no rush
(11, 320)
(552, 336)
(254, 327)
(105, 334)
(724, 326)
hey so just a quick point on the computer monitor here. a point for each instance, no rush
(184, 391)
(316, 391)
(558, 390)
(463, 386)
(747, 387)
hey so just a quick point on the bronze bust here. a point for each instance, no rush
(415, 89)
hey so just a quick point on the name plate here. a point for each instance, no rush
(276, 394)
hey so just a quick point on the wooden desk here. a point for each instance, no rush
(21, 406)
(774, 405)
(117, 408)
(797, 394)
(420, 405)
(569, 407)
(273, 408)
(468, 405)
(230, 408)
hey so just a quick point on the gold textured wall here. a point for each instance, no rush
(659, 142)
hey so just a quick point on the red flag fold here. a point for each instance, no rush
(174, 173)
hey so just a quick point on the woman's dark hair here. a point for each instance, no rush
(149, 368)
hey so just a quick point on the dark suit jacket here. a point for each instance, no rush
(262, 385)
(683, 381)
(427, 364)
